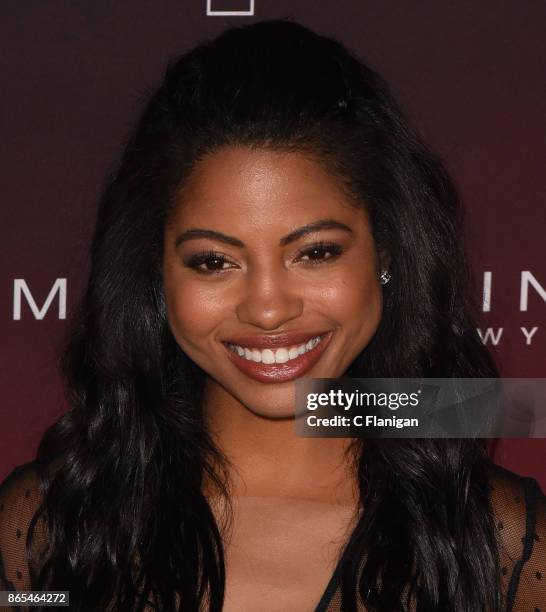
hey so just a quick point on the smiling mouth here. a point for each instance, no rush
(280, 364)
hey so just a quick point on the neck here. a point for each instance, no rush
(268, 459)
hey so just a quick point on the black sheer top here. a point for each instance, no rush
(518, 504)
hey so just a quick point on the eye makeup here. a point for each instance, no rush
(210, 261)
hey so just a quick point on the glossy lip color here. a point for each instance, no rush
(280, 372)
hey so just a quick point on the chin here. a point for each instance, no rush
(277, 406)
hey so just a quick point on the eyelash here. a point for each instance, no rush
(206, 256)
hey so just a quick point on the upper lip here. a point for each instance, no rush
(274, 341)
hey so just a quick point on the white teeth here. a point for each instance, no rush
(293, 353)
(268, 356)
(280, 355)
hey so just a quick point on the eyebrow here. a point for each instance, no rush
(316, 226)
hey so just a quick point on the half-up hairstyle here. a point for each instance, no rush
(122, 470)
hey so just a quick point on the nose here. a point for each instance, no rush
(270, 299)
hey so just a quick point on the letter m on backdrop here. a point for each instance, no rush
(230, 8)
(20, 289)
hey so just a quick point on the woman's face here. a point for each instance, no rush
(270, 274)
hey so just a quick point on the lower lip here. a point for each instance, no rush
(280, 372)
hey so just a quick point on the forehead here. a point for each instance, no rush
(261, 189)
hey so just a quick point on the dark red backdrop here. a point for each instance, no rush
(469, 74)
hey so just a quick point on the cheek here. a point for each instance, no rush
(355, 301)
(350, 293)
(193, 312)
(363, 300)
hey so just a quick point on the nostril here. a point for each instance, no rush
(271, 313)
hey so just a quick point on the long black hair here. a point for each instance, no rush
(123, 469)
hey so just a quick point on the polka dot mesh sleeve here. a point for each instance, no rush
(19, 500)
(520, 511)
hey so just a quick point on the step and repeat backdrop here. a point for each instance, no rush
(470, 76)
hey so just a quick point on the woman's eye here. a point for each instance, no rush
(319, 253)
(209, 263)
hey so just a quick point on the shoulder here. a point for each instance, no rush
(20, 495)
(519, 509)
(20, 498)
(22, 476)
(517, 499)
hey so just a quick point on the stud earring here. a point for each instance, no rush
(385, 277)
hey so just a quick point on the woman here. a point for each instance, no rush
(272, 217)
